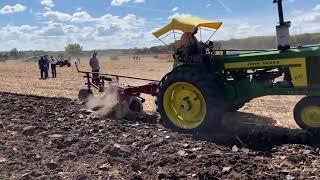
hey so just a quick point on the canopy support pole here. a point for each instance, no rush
(162, 41)
(211, 36)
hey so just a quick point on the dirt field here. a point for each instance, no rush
(23, 78)
(55, 138)
(49, 138)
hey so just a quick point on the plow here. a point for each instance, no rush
(129, 97)
(203, 86)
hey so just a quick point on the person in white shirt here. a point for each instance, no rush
(53, 63)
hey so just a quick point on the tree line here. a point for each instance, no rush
(76, 50)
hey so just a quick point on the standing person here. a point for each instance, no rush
(42, 67)
(53, 63)
(95, 66)
(46, 70)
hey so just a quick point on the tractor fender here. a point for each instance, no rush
(201, 67)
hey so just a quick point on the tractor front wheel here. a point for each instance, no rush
(189, 100)
(307, 113)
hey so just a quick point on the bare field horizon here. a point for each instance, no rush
(24, 78)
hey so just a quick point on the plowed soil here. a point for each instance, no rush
(55, 138)
(23, 78)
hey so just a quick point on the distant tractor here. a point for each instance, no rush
(63, 63)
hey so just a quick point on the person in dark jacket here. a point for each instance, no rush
(42, 67)
(46, 67)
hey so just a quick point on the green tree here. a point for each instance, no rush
(73, 50)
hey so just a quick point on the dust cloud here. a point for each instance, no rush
(103, 103)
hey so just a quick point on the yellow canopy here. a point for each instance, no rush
(187, 24)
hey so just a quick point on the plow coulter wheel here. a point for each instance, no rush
(188, 100)
(307, 113)
(135, 106)
(130, 109)
(121, 110)
(84, 94)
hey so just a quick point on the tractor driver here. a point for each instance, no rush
(190, 45)
(187, 39)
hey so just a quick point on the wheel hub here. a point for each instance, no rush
(311, 116)
(184, 105)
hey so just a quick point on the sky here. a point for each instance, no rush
(112, 24)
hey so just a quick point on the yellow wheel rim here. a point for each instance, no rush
(311, 116)
(184, 105)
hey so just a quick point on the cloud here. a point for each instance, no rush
(13, 9)
(53, 29)
(103, 32)
(175, 9)
(121, 2)
(306, 21)
(179, 15)
(47, 3)
(130, 21)
(81, 16)
(139, 1)
(317, 8)
(56, 15)
(312, 16)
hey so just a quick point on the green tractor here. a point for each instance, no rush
(203, 85)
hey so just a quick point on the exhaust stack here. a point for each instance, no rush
(283, 33)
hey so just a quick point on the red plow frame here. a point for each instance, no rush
(99, 83)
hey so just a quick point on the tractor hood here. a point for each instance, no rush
(187, 24)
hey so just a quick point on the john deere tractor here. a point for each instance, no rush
(205, 82)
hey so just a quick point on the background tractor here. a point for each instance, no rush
(63, 63)
(203, 86)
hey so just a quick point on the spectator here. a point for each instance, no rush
(46, 67)
(53, 63)
(95, 66)
(42, 67)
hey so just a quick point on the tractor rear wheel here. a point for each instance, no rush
(307, 113)
(189, 101)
